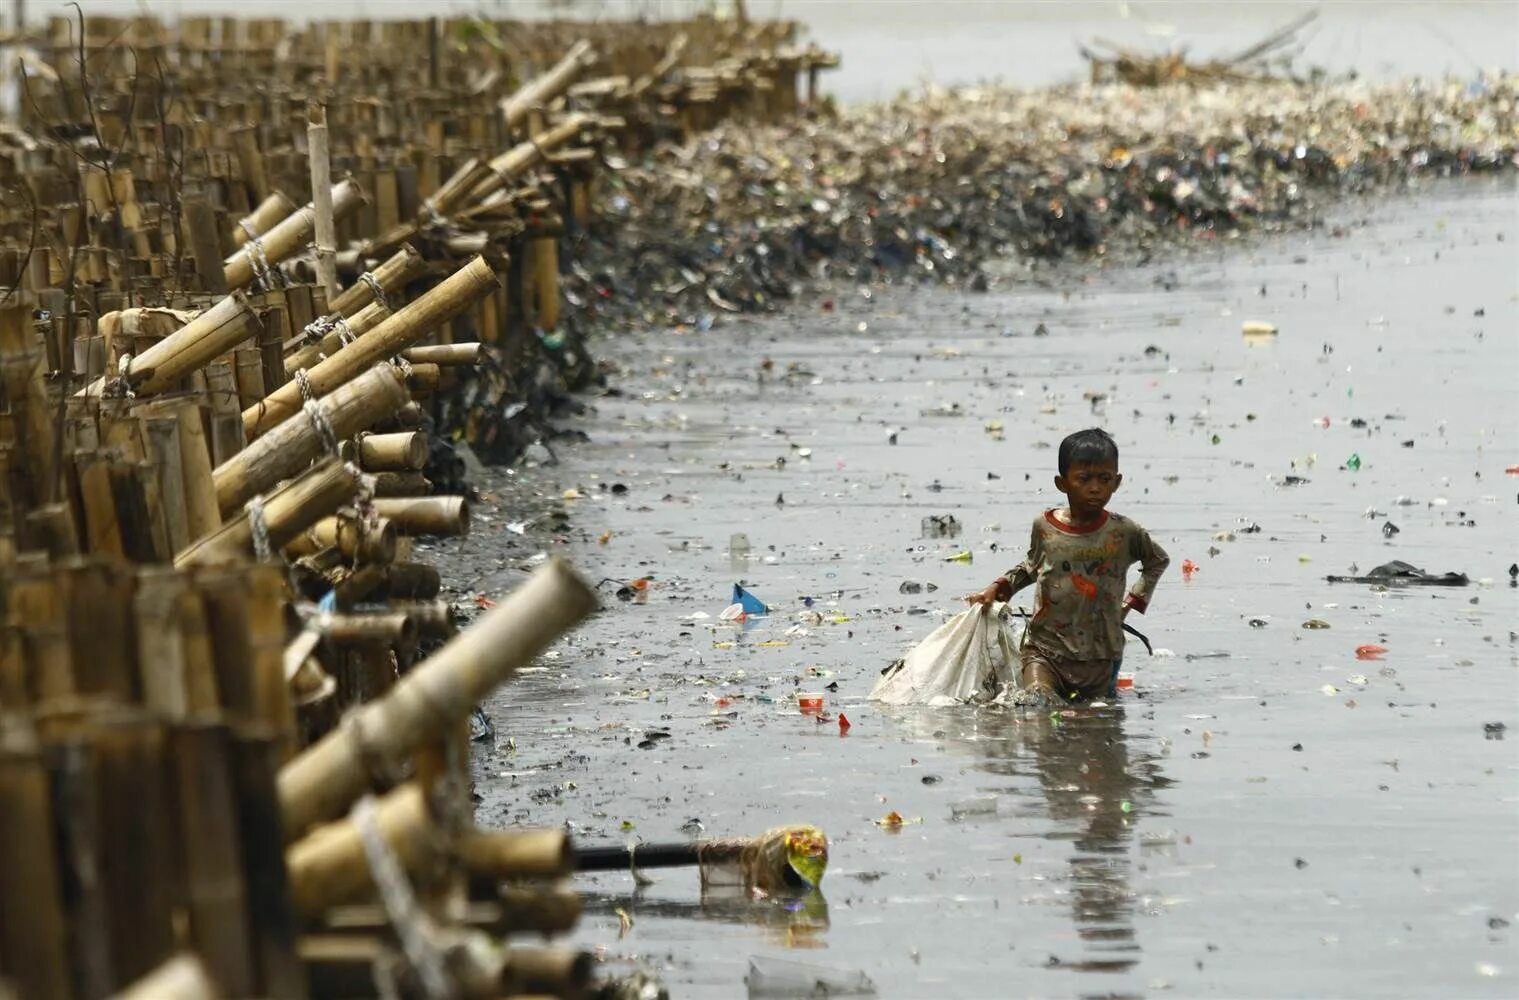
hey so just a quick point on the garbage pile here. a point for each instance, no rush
(933, 187)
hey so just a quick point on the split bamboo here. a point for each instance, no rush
(290, 445)
(439, 692)
(450, 298)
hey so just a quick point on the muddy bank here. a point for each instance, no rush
(1267, 814)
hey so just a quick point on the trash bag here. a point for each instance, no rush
(969, 659)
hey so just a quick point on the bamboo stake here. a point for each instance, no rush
(387, 628)
(306, 354)
(544, 911)
(330, 866)
(209, 335)
(524, 156)
(517, 854)
(290, 445)
(321, 192)
(426, 515)
(288, 237)
(394, 274)
(164, 451)
(33, 938)
(435, 619)
(325, 779)
(399, 452)
(362, 540)
(450, 298)
(557, 972)
(467, 354)
(540, 91)
(287, 512)
(423, 378)
(182, 977)
(257, 222)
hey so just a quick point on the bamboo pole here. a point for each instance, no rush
(517, 854)
(321, 201)
(557, 972)
(544, 911)
(448, 355)
(401, 484)
(182, 977)
(435, 619)
(307, 354)
(288, 237)
(426, 515)
(423, 378)
(290, 445)
(257, 222)
(287, 512)
(209, 335)
(524, 156)
(322, 782)
(386, 628)
(402, 451)
(330, 866)
(362, 540)
(394, 274)
(450, 298)
(542, 90)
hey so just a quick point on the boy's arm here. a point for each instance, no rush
(1152, 561)
(1020, 576)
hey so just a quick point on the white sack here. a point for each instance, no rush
(970, 658)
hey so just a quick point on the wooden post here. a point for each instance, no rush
(325, 779)
(321, 191)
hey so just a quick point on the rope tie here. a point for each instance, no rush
(346, 335)
(262, 550)
(412, 924)
(265, 277)
(303, 382)
(120, 387)
(369, 279)
(324, 428)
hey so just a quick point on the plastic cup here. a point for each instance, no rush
(1125, 682)
(810, 703)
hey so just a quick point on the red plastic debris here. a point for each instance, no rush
(843, 723)
(1370, 651)
(1188, 567)
(481, 601)
(1512, 470)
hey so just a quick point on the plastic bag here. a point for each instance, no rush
(971, 658)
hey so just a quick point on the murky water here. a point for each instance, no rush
(1266, 815)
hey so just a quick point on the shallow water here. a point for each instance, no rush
(1265, 815)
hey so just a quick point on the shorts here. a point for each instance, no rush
(1068, 680)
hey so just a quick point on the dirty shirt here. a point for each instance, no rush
(1079, 576)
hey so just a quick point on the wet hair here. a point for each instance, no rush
(1092, 445)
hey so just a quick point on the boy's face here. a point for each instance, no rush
(1088, 486)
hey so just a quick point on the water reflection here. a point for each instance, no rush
(788, 922)
(1097, 789)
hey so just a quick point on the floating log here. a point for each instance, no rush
(287, 512)
(426, 515)
(303, 435)
(439, 692)
(448, 299)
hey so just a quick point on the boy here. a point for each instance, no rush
(1078, 560)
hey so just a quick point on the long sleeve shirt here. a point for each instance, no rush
(1079, 575)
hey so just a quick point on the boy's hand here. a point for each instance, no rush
(984, 598)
